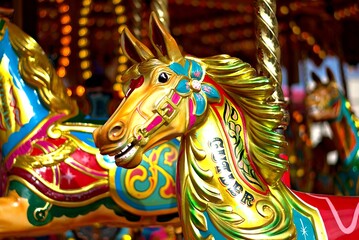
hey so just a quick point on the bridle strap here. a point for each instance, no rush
(165, 111)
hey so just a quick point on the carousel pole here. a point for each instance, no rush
(160, 7)
(137, 17)
(268, 51)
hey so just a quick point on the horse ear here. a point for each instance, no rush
(330, 75)
(162, 41)
(133, 48)
(316, 78)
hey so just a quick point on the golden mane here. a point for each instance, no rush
(37, 70)
(252, 94)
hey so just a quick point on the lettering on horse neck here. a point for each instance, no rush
(226, 175)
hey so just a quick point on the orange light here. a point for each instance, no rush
(64, 61)
(304, 35)
(64, 8)
(65, 40)
(80, 90)
(284, 10)
(65, 19)
(316, 48)
(61, 72)
(65, 51)
(66, 29)
(43, 13)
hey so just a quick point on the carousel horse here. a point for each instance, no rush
(53, 178)
(231, 157)
(327, 103)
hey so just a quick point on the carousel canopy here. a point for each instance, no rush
(84, 34)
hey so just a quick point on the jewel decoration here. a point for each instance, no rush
(193, 83)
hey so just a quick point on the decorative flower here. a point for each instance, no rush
(193, 83)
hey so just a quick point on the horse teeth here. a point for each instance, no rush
(125, 148)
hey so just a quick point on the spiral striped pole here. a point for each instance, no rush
(160, 7)
(268, 51)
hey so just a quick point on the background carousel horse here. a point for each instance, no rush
(52, 175)
(230, 163)
(326, 102)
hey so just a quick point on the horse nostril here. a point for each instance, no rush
(115, 132)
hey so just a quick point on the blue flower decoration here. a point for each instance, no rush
(201, 91)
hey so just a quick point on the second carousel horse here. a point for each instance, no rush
(326, 102)
(53, 178)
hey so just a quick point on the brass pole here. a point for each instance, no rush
(137, 17)
(160, 7)
(268, 50)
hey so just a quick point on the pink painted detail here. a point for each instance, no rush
(57, 175)
(49, 146)
(3, 180)
(170, 189)
(192, 117)
(197, 73)
(154, 123)
(154, 158)
(170, 109)
(340, 214)
(26, 146)
(2, 126)
(171, 158)
(176, 98)
(15, 106)
(136, 172)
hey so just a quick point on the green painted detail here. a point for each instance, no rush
(41, 212)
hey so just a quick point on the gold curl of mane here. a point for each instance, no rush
(36, 69)
(251, 92)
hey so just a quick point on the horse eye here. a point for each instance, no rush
(163, 77)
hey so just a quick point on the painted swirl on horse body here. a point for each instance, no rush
(231, 159)
(326, 102)
(52, 176)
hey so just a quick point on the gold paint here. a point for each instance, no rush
(46, 160)
(268, 52)
(243, 212)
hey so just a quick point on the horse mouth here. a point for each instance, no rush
(125, 154)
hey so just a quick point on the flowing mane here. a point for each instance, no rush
(251, 92)
(36, 69)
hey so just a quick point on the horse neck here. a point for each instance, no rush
(223, 139)
(345, 132)
(214, 166)
(25, 110)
